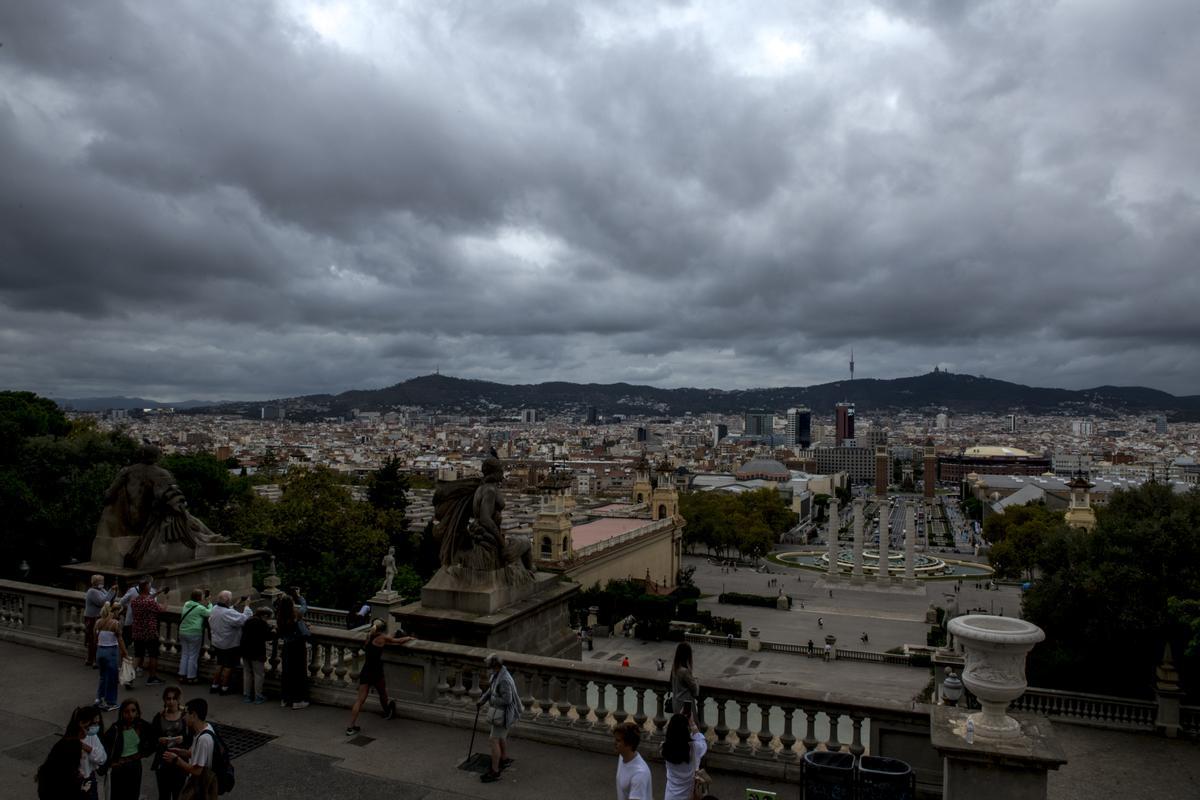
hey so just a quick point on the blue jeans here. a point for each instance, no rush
(189, 659)
(109, 661)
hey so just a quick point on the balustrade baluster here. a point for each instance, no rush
(547, 700)
(856, 743)
(476, 690)
(833, 745)
(620, 715)
(743, 731)
(443, 685)
(528, 700)
(810, 734)
(787, 740)
(273, 660)
(564, 701)
(459, 691)
(601, 712)
(721, 730)
(765, 737)
(327, 661)
(639, 716)
(314, 659)
(660, 718)
(344, 659)
(582, 707)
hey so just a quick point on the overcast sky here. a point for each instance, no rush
(254, 199)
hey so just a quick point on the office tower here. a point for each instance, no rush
(941, 422)
(529, 415)
(1160, 424)
(843, 414)
(799, 427)
(759, 424)
(641, 434)
(719, 432)
(1012, 423)
(592, 416)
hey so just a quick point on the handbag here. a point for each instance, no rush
(701, 784)
(127, 673)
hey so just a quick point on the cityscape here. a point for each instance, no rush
(682, 400)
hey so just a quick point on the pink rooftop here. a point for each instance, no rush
(600, 530)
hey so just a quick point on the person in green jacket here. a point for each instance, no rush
(191, 634)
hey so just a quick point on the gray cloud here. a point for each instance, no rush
(266, 199)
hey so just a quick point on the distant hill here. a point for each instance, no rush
(105, 403)
(958, 393)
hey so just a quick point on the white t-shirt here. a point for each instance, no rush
(682, 777)
(633, 779)
(202, 749)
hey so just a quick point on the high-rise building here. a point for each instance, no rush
(941, 422)
(799, 427)
(843, 415)
(529, 415)
(592, 416)
(641, 434)
(1012, 423)
(719, 432)
(759, 424)
(1160, 424)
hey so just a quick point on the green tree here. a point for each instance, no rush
(325, 541)
(1017, 537)
(1105, 598)
(205, 481)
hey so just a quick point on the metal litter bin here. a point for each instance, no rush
(882, 778)
(828, 776)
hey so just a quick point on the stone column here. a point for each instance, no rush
(1168, 695)
(910, 543)
(835, 522)
(885, 521)
(994, 769)
(856, 574)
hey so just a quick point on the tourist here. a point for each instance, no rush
(828, 652)
(168, 730)
(682, 748)
(255, 634)
(196, 763)
(293, 640)
(358, 615)
(505, 709)
(298, 600)
(127, 625)
(191, 634)
(225, 628)
(810, 647)
(110, 652)
(93, 601)
(625, 661)
(58, 778)
(863, 638)
(146, 607)
(659, 664)
(85, 726)
(372, 675)
(633, 774)
(128, 741)
(685, 689)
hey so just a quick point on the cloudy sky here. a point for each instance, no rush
(256, 199)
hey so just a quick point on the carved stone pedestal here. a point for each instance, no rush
(1013, 768)
(216, 566)
(536, 620)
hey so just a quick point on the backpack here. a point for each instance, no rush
(222, 767)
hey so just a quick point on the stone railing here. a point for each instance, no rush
(1189, 720)
(755, 728)
(817, 650)
(325, 617)
(1096, 709)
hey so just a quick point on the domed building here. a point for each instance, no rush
(766, 469)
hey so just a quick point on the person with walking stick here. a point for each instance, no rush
(504, 709)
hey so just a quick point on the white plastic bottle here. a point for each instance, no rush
(970, 731)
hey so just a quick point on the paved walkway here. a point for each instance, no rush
(310, 758)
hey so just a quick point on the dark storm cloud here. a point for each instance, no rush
(267, 199)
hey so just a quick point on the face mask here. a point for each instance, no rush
(93, 730)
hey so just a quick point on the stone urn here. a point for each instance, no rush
(995, 667)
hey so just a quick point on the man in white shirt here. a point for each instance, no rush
(633, 774)
(199, 758)
(225, 629)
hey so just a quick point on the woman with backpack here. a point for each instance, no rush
(58, 777)
(372, 675)
(128, 741)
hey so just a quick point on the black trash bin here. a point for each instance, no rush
(882, 778)
(828, 776)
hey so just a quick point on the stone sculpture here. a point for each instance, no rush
(389, 570)
(468, 514)
(145, 517)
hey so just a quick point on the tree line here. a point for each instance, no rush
(749, 523)
(54, 473)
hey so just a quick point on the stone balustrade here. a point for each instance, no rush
(1101, 710)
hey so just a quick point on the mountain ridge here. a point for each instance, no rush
(955, 392)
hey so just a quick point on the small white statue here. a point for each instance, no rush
(389, 570)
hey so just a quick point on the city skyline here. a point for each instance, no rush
(288, 198)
